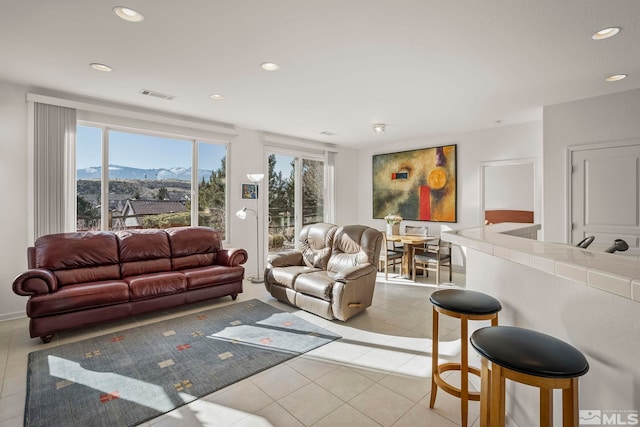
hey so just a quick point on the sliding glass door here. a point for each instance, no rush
(297, 196)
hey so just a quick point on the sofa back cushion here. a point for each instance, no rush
(315, 244)
(354, 245)
(78, 257)
(193, 247)
(144, 252)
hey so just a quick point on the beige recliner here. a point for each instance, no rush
(333, 274)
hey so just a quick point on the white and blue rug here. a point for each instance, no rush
(128, 377)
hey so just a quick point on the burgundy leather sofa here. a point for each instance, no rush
(83, 278)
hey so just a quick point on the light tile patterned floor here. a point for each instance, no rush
(378, 374)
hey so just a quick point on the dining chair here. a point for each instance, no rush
(430, 258)
(388, 257)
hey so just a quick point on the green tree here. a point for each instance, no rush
(163, 193)
(88, 215)
(211, 199)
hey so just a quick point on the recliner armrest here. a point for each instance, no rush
(285, 259)
(36, 281)
(353, 273)
(231, 257)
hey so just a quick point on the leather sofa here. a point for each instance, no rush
(83, 278)
(333, 274)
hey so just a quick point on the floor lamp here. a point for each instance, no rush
(242, 214)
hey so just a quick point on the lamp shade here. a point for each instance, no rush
(242, 213)
(255, 177)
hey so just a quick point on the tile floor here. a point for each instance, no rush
(378, 374)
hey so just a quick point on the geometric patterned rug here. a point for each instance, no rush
(131, 376)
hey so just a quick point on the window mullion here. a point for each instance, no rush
(104, 183)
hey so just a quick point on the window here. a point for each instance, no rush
(293, 205)
(144, 180)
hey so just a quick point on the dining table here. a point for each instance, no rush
(409, 240)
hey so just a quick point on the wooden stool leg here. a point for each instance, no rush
(546, 407)
(485, 393)
(570, 404)
(497, 405)
(434, 359)
(464, 369)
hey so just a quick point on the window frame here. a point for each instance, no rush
(156, 131)
(329, 190)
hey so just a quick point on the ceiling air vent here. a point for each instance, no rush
(157, 94)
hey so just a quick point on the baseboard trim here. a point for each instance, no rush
(12, 316)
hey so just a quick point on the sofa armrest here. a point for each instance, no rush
(231, 257)
(353, 273)
(285, 259)
(35, 282)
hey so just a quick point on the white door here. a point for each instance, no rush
(605, 194)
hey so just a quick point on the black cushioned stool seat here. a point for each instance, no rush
(532, 358)
(465, 305)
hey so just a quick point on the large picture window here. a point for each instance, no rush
(144, 180)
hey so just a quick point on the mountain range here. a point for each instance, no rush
(126, 172)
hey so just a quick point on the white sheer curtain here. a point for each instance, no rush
(54, 169)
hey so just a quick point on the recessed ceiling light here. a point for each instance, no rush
(605, 33)
(216, 96)
(616, 77)
(379, 127)
(128, 14)
(100, 67)
(270, 66)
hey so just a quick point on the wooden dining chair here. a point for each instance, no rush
(430, 258)
(389, 257)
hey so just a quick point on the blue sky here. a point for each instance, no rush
(142, 151)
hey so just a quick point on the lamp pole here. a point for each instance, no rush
(257, 178)
(242, 214)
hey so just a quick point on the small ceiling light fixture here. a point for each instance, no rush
(605, 33)
(128, 14)
(616, 77)
(270, 66)
(379, 127)
(100, 67)
(216, 97)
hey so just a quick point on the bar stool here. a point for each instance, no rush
(531, 358)
(465, 305)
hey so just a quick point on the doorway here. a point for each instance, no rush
(510, 190)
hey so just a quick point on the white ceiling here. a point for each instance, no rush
(423, 67)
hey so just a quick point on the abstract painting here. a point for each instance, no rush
(417, 184)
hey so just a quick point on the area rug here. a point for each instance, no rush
(128, 377)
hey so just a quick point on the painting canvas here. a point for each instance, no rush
(418, 184)
(249, 191)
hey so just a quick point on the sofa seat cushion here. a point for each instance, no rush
(213, 275)
(286, 276)
(156, 284)
(78, 297)
(318, 284)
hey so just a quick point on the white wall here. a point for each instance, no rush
(499, 143)
(606, 118)
(246, 156)
(13, 210)
(509, 187)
